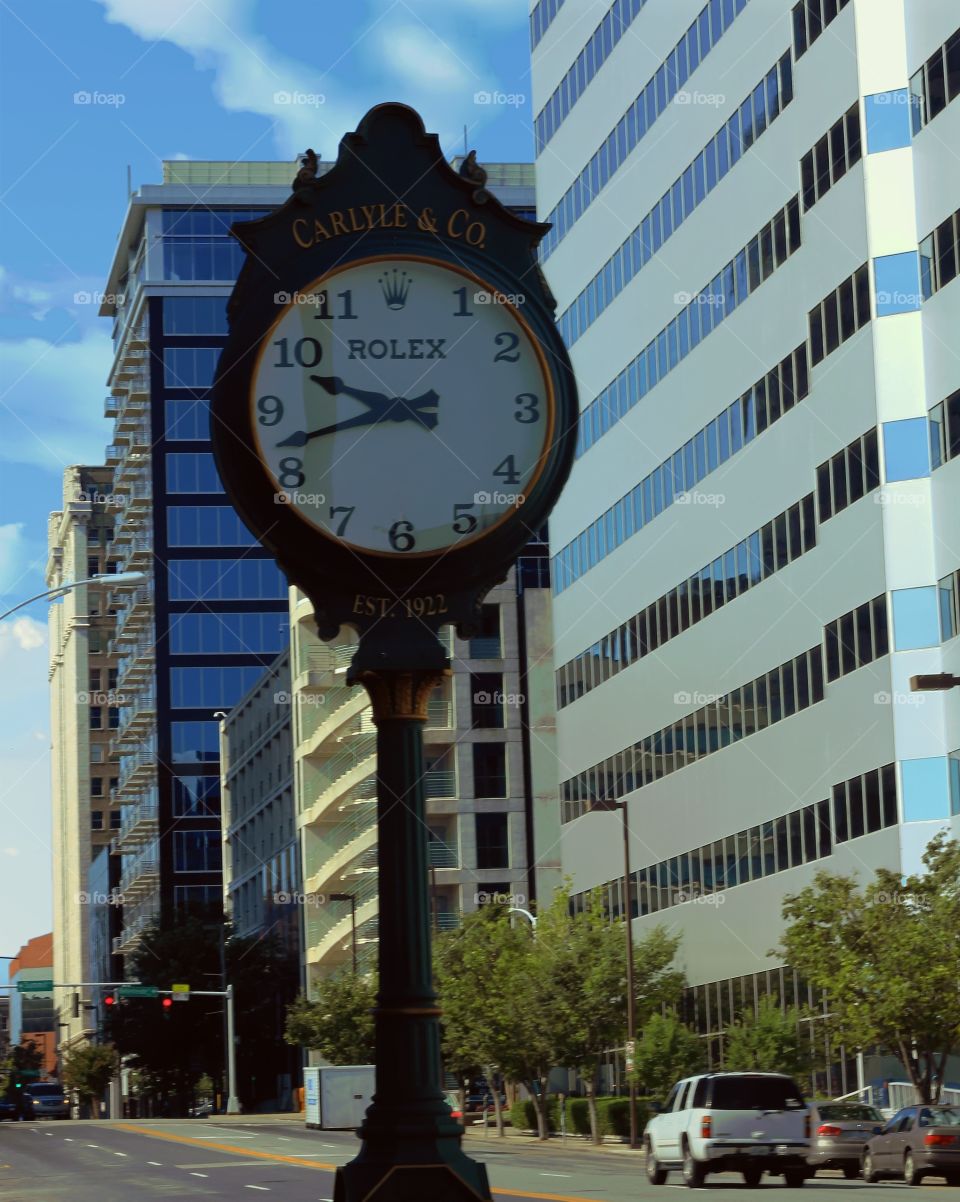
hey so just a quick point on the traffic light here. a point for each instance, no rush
(110, 1000)
(167, 1003)
(76, 1005)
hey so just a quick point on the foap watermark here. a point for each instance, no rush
(510, 99)
(485, 897)
(97, 698)
(884, 698)
(298, 298)
(697, 298)
(902, 300)
(305, 699)
(113, 100)
(113, 898)
(307, 99)
(498, 498)
(710, 100)
(286, 497)
(901, 96)
(99, 298)
(695, 698)
(499, 298)
(697, 897)
(712, 500)
(913, 900)
(292, 898)
(110, 499)
(893, 499)
(498, 698)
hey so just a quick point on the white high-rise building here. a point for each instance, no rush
(755, 245)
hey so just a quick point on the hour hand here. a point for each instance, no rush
(336, 387)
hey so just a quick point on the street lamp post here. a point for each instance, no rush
(53, 593)
(628, 928)
(352, 899)
(527, 915)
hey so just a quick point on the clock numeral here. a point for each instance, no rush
(529, 411)
(464, 522)
(401, 536)
(348, 313)
(323, 305)
(507, 471)
(269, 411)
(509, 341)
(307, 352)
(344, 509)
(323, 308)
(463, 311)
(291, 472)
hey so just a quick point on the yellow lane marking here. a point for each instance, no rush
(248, 1153)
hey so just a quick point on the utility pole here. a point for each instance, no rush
(233, 1102)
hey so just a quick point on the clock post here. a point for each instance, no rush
(394, 417)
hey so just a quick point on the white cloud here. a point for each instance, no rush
(54, 397)
(14, 556)
(11, 851)
(26, 633)
(422, 58)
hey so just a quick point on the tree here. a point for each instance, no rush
(771, 1041)
(89, 1068)
(22, 1064)
(864, 949)
(667, 1051)
(338, 1023)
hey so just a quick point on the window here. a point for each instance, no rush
(887, 117)
(96, 717)
(192, 473)
(492, 841)
(925, 789)
(195, 315)
(486, 699)
(948, 596)
(896, 281)
(206, 526)
(906, 449)
(916, 621)
(96, 786)
(189, 367)
(195, 742)
(936, 84)
(113, 717)
(225, 580)
(223, 633)
(94, 680)
(116, 820)
(831, 158)
(810, 18)
(848, 476)
(486, 643)
(187, 420)
(96, 820)
(489, 770)
(939, 254)
(196, 851)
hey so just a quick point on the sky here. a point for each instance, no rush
(90, 89)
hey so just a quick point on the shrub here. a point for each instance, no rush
(613, 1116)
(523, 1115)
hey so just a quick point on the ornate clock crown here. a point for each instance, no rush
(396, 288)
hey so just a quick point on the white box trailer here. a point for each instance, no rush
(336, 1097)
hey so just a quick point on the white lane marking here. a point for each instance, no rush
(330, 1146)
(157, 1164)
(119, 1153)
(67, 1139)
(284, 1139)
(93, 1145)
(263, 1187)
(199, 1174)
(556, 1174)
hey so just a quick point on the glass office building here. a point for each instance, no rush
(755, 251)
(212, 613)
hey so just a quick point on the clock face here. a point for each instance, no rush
(401, 407)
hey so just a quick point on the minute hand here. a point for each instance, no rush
(396, 410)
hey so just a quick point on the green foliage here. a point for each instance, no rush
(523, 1115)
(338, 1023)
(89, 1068)
(613, 1116)
(864, 948)
(20, 1058)
(772, 1041)
(666, 1052)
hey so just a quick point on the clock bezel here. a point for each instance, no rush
(533, 342)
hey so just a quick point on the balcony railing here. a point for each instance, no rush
(351, 757)
(441, 855)
(438, 783)
(485, 648)
(439, 714)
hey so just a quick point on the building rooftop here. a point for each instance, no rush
(35, 953)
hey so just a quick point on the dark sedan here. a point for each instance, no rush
(918, 1142)
(838, 1132)
(9, 1109)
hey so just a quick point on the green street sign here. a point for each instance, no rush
(137, 991)
(35, 986)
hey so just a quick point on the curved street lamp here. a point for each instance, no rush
(53, 593)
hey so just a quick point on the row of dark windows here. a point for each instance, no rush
(773, 395)
(196, 796)
(96, 820)
(936, 83)
(225, 580)
(839, 315)
(940, 255)
(754, 559)
(195, 315)
(760, 109)
(596, 51)
(767, 401)
(860, 806)
(541, 19)
(810, 18)
(831, 158)
(857, 638)
(198, 222)
(948, 596)
(756, 262)
(216, 688)
(637, 121)
(221, 633)
(711, 1009)
(778, 694)
(206, 526)
(848, 475)
(187, 420)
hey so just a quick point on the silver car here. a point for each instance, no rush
(839, 1132)
(45, 1100)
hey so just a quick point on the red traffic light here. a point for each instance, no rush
(109, 1000)
(167, 1003)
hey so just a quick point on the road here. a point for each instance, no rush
(166, 1159)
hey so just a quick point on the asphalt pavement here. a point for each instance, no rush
(162, 1159)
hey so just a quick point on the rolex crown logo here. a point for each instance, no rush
(396, 288)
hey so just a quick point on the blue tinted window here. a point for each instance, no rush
(888, 120)
(196, 796)
(225, 580)
(906, 449)
(954, 769)
(196, 851)
(228, 633)
(195, 315)
(189, 366)
(897, 282)
(187, 420)
(916, 622)
(195, 742)
(192, 472)
(198, 688)
(925, 789)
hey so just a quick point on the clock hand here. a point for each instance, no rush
(396, 409)
(335, 386)
(302, 437)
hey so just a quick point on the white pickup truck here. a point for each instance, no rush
(749, 1122)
